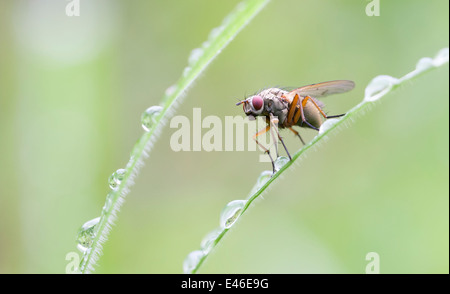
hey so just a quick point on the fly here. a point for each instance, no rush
(285, 109)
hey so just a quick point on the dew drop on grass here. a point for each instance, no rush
(170, 90)
(86, 234)
(424, 64)
(192, 260)
(116, 178)
(263, 178)
(378, 87)
(280, 162)
(215, 33)
(148, 118)
(195, 55)
(108, 203)
(327, 125)
(441, 57)
(209, 240)
(231, 212)
(186, 71)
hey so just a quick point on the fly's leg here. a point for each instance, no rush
(292, 110)
(318, 108)
(282, 142)
(333, 116)
(274, 122)
(296, 111)
(297, 134)
(300, 114)
(261, 132)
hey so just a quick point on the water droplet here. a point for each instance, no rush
(108, 203)
(327, 125)
(116, 178)
(169, 91)
(192, 261)
(215, 32)
(280, 162)
(378, 87)
(86, 234)
(186, 71)
(241, 6)
(424, 64)
(441, 57)
(132, 157)
(195, 55)
(148, 118)
(231, 212)
(263, 178)
(209, 240)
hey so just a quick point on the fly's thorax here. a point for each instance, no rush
(274, 104)
(272, 93)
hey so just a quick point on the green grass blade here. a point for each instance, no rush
(121, 181)
(376, 89)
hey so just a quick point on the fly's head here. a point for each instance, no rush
(261, 103)
(253, 106)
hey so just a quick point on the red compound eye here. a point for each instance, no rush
(257, 102)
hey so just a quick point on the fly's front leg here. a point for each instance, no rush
(274, 121)
(261, 132)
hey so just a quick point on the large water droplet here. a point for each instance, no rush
(231, 212)
(86, 234)
(192, 261)
(263, 178)
(378, 87)
(116, 178)
(441, 57)
(424, 64)
(327, 125)
(280, 162)
(195, 55)
(148, 118)
(209, 240)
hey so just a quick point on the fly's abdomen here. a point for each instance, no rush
(312, 116)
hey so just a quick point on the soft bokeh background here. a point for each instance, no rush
(72, 90)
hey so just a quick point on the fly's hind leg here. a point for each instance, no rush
(319, 109)
(296, 111)
(333, 116)
(297, 134)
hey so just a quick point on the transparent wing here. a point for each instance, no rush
(324, 89)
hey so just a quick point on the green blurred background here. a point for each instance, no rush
(72, 90)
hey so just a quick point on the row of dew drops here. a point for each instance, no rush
(377, 88)
(382, 84)
(88, 231)
(232, 211)
(228, 217)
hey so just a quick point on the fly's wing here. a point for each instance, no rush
(323, 89)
